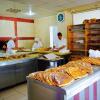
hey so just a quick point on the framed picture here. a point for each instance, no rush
(60, 17)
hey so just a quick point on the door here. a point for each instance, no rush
(53, 35)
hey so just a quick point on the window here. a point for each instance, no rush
(78, 18)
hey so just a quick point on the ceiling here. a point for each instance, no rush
(42, 8)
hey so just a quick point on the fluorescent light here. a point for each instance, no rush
(30, 13)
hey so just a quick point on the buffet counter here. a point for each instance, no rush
(14, 70)
(80, 89)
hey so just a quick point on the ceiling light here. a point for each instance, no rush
(30, 13)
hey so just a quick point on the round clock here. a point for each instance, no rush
(60, 17)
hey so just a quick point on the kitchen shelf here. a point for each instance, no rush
(75, 30)
(80, 50)
(88, 32)
(94, 44)
(97, 29)
(96, 34)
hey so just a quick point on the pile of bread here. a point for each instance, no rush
(91, 60)
(11, 57)
(66, 74)
(42, 49)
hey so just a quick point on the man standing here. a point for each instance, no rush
(37, 44)
(10, 45)
(60, 43)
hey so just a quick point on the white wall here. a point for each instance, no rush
(42, 29)
(25, 43)
(25, 29)
(6, 28)
(78, 18)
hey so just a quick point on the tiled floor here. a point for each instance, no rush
(15, 93)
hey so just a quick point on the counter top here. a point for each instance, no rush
(61, 54)
(31, 55)
(57, 53)
(20, 60)
(53, 60)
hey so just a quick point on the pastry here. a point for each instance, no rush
(76, 72)
(62, 79)
(94, 61)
